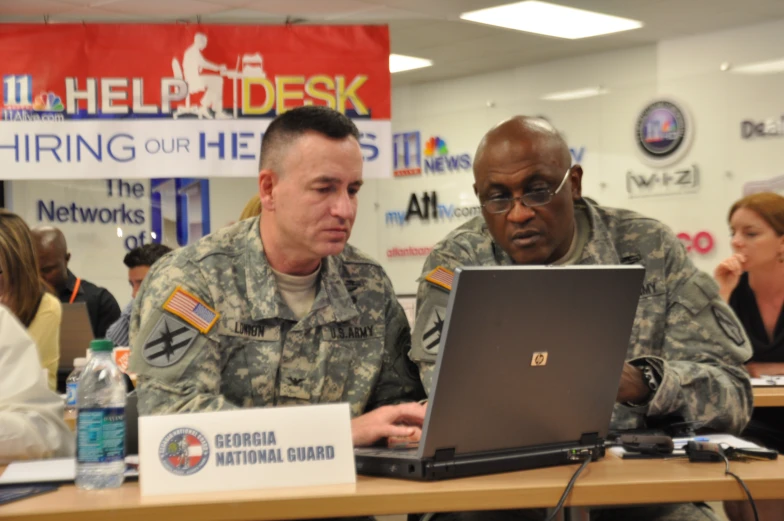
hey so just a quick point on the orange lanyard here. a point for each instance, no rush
(76, 290)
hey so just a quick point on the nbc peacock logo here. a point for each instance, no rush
(436, 146)
(48, 102)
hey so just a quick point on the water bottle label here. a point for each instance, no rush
(70, 397)
(100, 435)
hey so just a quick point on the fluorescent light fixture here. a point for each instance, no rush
(552, 20)
(400, 63)
(766, 67)
(566, 95)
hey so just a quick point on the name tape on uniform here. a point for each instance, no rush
(247, 449)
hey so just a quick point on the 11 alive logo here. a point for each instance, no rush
(408, 153)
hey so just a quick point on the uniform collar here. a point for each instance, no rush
(332, 304)
(600, 248)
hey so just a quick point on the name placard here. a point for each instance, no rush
(246, 449)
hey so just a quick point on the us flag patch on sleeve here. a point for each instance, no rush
(441, 277)
(191, 309)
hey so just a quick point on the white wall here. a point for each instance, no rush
(687, 69)
(460, 111)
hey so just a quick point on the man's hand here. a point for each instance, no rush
(400, 421)
(633, 388)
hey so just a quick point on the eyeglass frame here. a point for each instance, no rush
(512, 200)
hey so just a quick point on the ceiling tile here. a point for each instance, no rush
(32, 7)
(161, 8)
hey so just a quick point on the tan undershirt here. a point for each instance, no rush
(298, 292)
(582, 230)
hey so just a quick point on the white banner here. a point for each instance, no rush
(149, 148)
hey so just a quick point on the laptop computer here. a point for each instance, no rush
(76, 333)
(527, 373)
(75, 336)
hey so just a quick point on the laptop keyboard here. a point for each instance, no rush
(386, 453)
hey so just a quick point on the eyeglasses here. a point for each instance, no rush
(530, 199)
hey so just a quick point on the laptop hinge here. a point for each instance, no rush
(444, 455)
(589, 438)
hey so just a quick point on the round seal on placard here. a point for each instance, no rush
(184, 451)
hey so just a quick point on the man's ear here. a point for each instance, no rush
(67, 258)
(268, 180)
(576, 181)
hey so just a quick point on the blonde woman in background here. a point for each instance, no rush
(751, 281)
(252, 208)
(26, 295)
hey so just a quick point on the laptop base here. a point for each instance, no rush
(445, 465)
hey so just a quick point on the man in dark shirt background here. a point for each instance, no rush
(53, 257)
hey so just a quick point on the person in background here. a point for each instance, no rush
(31, 415)
(752, 282)
(25, 293)
(138, 260)
(53, 257)
(252, 208)
(686, 353)
(288, 312)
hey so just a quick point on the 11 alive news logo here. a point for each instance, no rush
(408, 155)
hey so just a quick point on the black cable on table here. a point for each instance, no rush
(568, 488)
(742, 484)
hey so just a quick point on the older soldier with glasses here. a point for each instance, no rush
(687, 349)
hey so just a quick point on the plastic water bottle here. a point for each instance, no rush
(100, 421)
(70, 387)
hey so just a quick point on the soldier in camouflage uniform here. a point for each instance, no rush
(281, 311)
(687, 349)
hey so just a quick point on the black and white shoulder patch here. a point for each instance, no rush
(729, 325)
(168, 341)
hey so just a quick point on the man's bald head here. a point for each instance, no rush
(53, 256)
(519, 137)
(527, 187)
(50, 237)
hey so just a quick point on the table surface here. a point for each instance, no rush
(611, 481)
(769, 397)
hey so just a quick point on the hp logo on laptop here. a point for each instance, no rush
(539, 359)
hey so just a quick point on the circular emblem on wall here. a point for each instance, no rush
(184, 451)
(663, 132)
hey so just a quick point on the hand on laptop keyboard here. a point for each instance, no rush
(391, 421)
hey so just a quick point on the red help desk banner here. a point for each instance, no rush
(97, 101)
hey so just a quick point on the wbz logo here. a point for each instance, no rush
(17, 90)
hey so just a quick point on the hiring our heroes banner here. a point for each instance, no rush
(83, 101)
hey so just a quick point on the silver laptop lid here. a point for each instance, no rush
(530, 355)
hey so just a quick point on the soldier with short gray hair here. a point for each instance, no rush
(281, 310)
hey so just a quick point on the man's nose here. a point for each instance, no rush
(520, 213)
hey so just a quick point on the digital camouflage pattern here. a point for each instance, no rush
(350, 347)
(682, 328)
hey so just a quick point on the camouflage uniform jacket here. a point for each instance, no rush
(351, 346)
(682, 329)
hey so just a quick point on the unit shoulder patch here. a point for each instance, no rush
(728, 324)
(168, 342)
